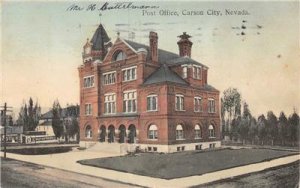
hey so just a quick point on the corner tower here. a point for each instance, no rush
(97, 48)
(93, 53)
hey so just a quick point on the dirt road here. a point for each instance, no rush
(22, 174)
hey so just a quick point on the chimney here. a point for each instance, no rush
(153, 39)
(185, 45)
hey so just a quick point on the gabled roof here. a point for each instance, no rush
(72, 110)
(184, 60)
(100, 38)
(164, 74)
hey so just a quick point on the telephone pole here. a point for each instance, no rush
(3, 113)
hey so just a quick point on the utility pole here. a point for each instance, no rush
(4, 124)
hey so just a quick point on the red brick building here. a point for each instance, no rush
(136, 93)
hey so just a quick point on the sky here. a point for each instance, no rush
(41, 46)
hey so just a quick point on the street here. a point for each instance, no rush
(27, 175)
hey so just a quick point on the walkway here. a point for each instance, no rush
(67, 161)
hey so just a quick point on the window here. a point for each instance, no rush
(179, 102)
(129, 101)
(179, 132)
(152, 103)
(109, 78)
(184, 72)
(211, 106)
(152, 133)
(211, 131)
(197, 104)
(88, 132)
(88, 81)
(119, 55)
(110, 103)
(197, 72)
(129, 73)
(197, 132)
(88, 109)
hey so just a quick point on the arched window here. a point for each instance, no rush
(197, 131)
(119, 55)
(152, 132)
(211, 131)
(88, 132)
(179, 132)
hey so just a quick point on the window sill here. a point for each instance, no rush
(109, 114)
(129, 80)
(198, 111)
(152, 110)
(198, 138)
(130, 112)
(180, 139)
(149, 139)
(109, 84)
(211, 137)
(179, 110)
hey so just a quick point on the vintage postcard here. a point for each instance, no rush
(150, 93)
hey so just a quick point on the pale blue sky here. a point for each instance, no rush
(42, 45)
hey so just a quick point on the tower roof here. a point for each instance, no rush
(99, 39)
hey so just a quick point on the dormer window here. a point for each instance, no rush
(119, 55)
(184, 72)
(197, 72)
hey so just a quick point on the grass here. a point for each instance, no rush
(176, 165)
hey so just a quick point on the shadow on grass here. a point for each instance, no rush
(40, 151)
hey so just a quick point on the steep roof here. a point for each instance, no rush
(99, 39)
(164, 74)
(166, 57)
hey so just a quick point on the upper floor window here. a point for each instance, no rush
(197, 131)
(211, 131)
(152, 132)
(198, 104)
(109, 78)
(110, 103)
(129, 73)
(88, 81)
(88, 109)
(179, 102)
(129, 101)
(119, 55)
(184, 72)
(152, 103)
(211, 106)
(197, 72)
(179, 132)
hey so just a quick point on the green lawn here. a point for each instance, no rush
(175, 165)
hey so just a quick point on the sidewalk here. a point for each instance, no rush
(67, 161)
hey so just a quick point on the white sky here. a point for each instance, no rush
(41, 45)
